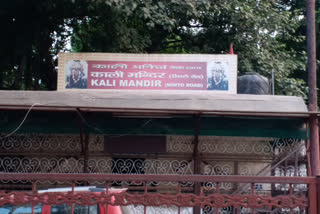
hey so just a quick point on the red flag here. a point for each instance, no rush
(231, 49)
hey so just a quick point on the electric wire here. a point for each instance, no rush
(22, 122)
(82, 119)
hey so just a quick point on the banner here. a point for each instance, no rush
(215, 75)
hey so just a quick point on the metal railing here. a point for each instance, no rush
(141, 191)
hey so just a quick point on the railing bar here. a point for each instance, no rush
(217, 187)
(146, 202)
(34, 187)
(107, 192)
(218, 192)
(312, 197)
(73, 184)
(285, 175)
(296, 164)
(153, 177)
(291, 193)
(252, 193)
(252, 188)
(34, 191)
(145, 187)
(179, 192)
(145, 191)
(72, 189)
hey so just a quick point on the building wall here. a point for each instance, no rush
(56, 153)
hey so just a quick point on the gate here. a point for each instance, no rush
(144, 193)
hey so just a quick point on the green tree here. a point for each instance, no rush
(265, 34)
(299, 7)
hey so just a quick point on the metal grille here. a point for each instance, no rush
(156, 199)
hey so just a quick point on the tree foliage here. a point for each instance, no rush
(268, 36)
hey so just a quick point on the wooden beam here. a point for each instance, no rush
(152, 100)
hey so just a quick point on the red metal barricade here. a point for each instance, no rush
(142, 191)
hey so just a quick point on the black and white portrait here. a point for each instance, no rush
(76, 74)
(217, 76)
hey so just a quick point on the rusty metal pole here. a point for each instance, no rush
(313, 102)
(318, 192)
(312, 196)
(312, 83)
(197, 162)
